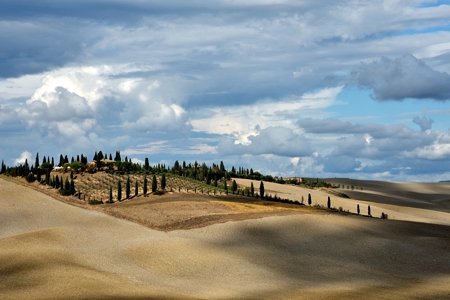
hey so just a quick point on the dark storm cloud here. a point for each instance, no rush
(401, 78)
(36, 46)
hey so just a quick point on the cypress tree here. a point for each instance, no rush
(57, 182)
(66, 160)
(47, 177)
(53, 161)
(225, 187)
(357, 209)
(368, 211)
(154, 184)
(67, 187)
(72, 187)
(44, 160)
(163, 181)
(234, 187)
(98, 162)
(110, 195)
(329, 203)
(208, 178)
(36, 164)
(136, 188)
(119, 190)
(128, 188)
(309, 199)
(261, 189)
(61, 160)
(145, 185)
(252, 189)
(146, 164)
(117, 158)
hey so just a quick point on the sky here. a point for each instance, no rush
(357, 89)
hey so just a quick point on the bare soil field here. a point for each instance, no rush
(51, 250)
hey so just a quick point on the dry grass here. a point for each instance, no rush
(50, 250)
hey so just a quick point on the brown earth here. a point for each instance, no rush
(51, 250)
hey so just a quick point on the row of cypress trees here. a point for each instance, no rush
(136, 187)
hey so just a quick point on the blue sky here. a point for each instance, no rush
(355, 89)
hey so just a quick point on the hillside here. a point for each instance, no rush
(316, 254)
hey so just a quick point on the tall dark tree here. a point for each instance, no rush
(98, 162)
(66, 159)
(57, 182)
(163, 181)
(208, 178)
(36, 164)
(110, 156)
(3, 170)
(44, 160)
(146, 164)
(225, 186)
(47, 177)
(119, 191)
(136, 188)
(53, 161)
(61, 160)
(309, 199)
(329, 203)
(176, 165)
(357, 209)
(110, 195)
(72, 187)
(368, 211)
(261, 189)
(117, 158)
(128, 188)
(145, 185)
(234, 187)
(154, 184)
(66, 186)
(252, 189)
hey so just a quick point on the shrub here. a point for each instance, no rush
(95, 202)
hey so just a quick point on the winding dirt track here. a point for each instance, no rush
(51, 250)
